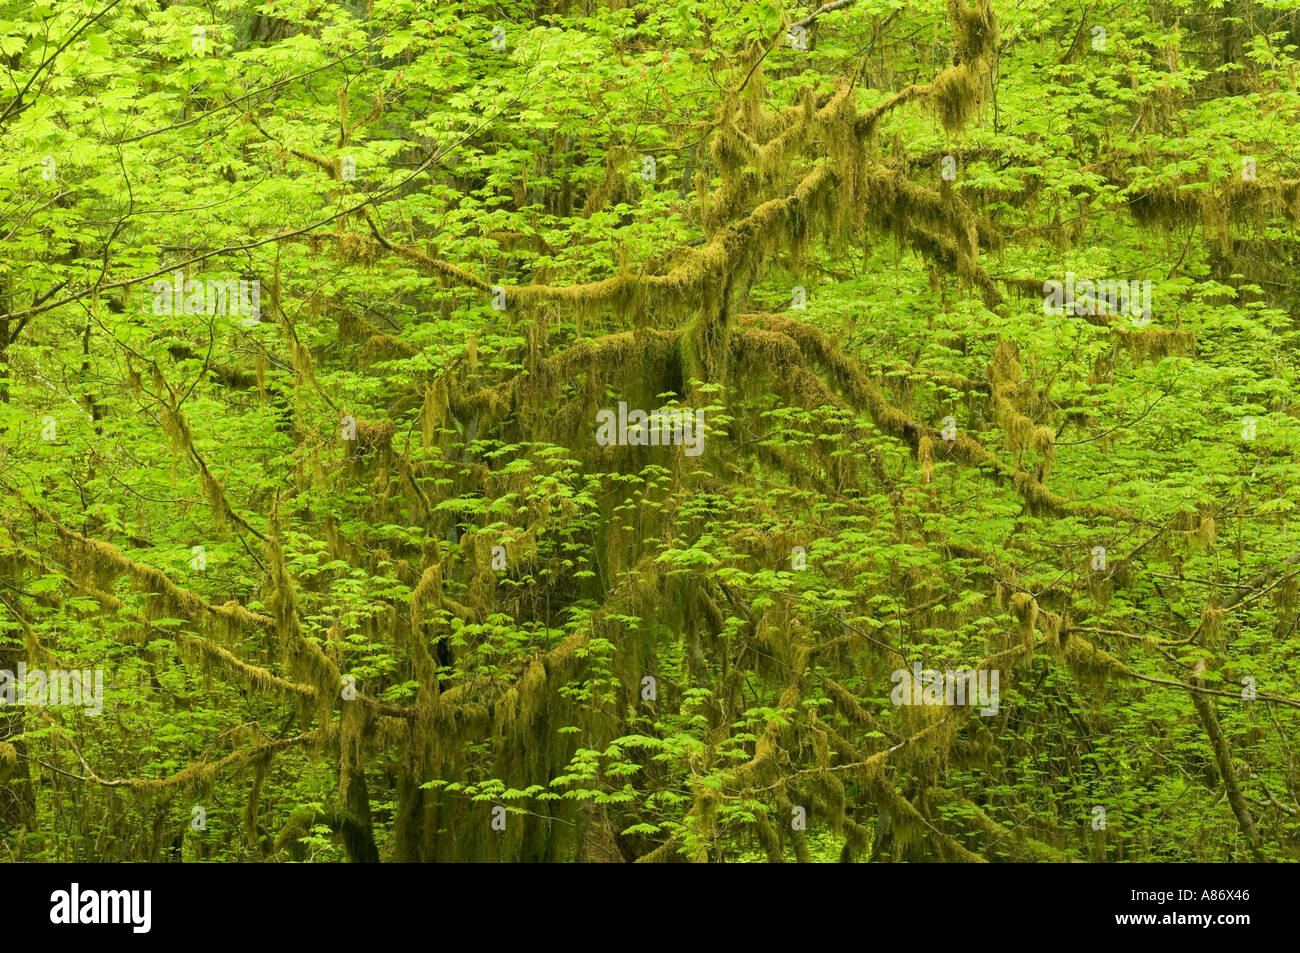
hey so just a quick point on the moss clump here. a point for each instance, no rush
(1212, 626)
(1087, 661)
(1025, 610)
(963, 88)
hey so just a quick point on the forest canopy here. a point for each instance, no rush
(617, 431)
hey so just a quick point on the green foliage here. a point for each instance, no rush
(426, 590)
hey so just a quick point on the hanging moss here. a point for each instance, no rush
(963, 88)
(8, 760)
(1089, 662)
(1025, 610)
